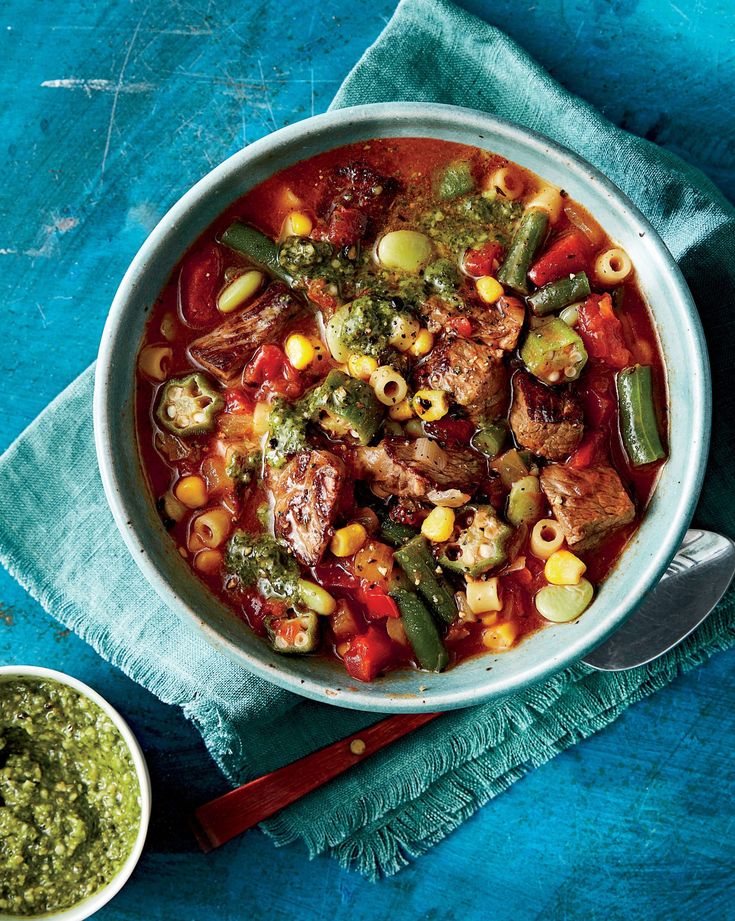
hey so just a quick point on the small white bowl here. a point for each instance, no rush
(93, 903)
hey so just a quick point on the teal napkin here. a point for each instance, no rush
(58, 539)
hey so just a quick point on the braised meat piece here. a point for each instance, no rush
(356, 198)
(588, 504)
(468, 371)
(307, 494)
(226, 349)
(497, 325)
(419, 469)
(545, 421)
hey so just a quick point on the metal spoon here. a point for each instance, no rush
(695, 581)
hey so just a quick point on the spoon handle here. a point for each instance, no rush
(222, 818)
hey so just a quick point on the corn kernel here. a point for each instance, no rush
(191, 491)
(430, 405)
(500, 637)
(423, 345)
(438, 524)
(261, 414)
(489, 620)
(296, 224)
(348, 540)
(299, 351)
(239, 290)
(208, 562)
(564, 568)
(402, 411)
(342, 648)
(489, 289)
(361, 366)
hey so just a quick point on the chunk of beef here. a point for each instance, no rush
(226, 349)
(307, 494)
(545, 421)
(588, 504)
(356, 198)
(420, 469)
(467, 370)
(497, 325)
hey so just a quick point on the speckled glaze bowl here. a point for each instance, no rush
(91, 905)
(481, 678)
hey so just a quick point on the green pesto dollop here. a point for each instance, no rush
(260, 561)
(69, 797)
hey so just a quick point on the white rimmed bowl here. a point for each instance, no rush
(484, 677)
(93, 903)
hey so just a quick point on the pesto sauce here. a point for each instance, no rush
(259, 561)
(69, 797)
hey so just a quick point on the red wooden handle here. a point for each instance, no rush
(229, 815)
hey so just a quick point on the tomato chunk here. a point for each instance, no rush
(462, 326)
(451, 432)
(199, 284)
(238, 401)
(369, 654)
(590, 451)
(569, 254)
(377, 603)
(270, 368)
(602, 332)
(484, 260)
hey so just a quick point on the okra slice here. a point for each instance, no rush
(294, 635)
(189, 405)
(638, 424)
(481, 544)
(553, 352)
(346, 407)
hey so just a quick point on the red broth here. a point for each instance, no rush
(367, 640)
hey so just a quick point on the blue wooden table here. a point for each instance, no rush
(108, 112)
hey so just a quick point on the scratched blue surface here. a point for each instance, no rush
(108, 112)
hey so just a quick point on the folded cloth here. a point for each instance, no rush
(58, 539)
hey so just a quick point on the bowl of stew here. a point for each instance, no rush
(403, 407)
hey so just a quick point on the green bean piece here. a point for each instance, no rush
(637, 416)
(258, 248)
(559, 294)
(417, 561)
(395, 533)
(421, 630)
(525, 242)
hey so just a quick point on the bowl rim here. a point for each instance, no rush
(92, 903)
(449, 117)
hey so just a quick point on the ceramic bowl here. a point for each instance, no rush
(93, 903)
(481, 678)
